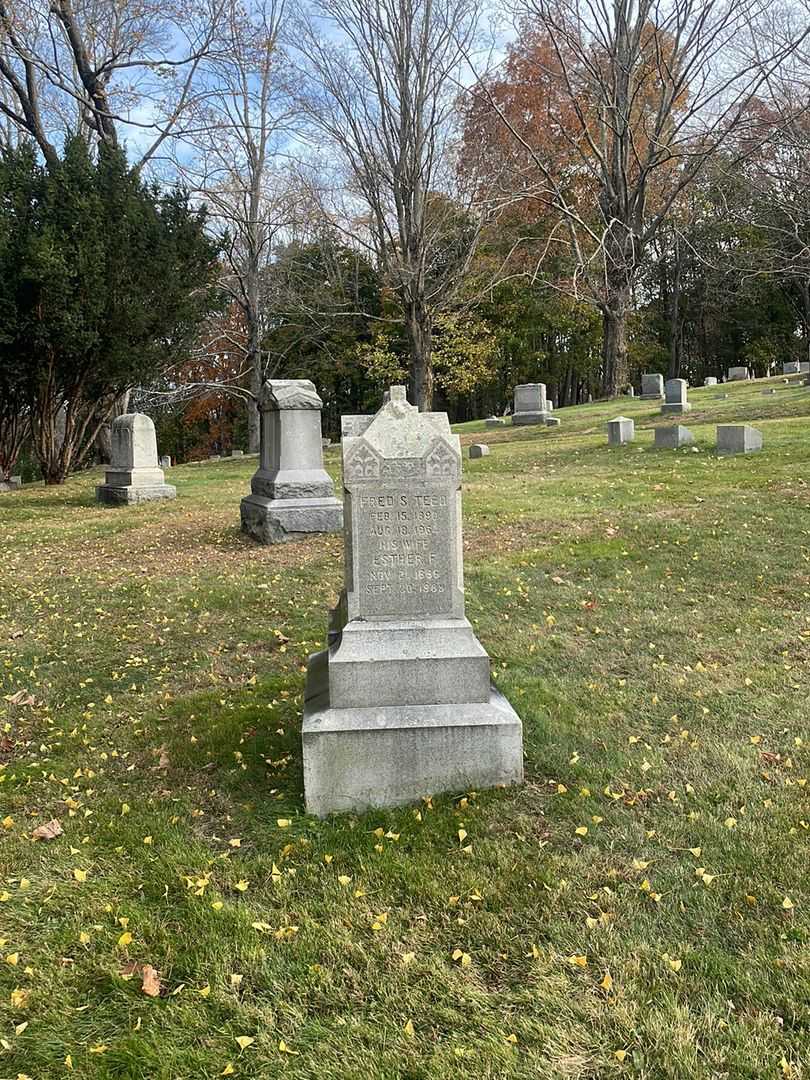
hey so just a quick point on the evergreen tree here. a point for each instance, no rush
(104, 281)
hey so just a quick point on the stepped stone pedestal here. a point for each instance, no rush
(292, 495)
(134, 475)
(401, 704)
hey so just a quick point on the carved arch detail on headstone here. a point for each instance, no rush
(361, 463)
(441, 461)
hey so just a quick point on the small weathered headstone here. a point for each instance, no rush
(672, 438)
(676, 397)
(804, 366)
(401, 704)
(494, 421)
(133, 475)
(215, 457)
(553, 421)
(292, 495)
(735, 374)
(478, 450)
(531, 406)
(738, 439)
(165, 461)
(237, 453)
(621, 430)
(710, 380)
(770, 390)
(652, 387)
(549, 405)
(630, 392)
(791, 367)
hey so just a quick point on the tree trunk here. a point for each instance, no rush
(614, 343)
(419, 330)
(253, 320)
(103, 446)
(675, 319)
(253, 418)
(804, 289)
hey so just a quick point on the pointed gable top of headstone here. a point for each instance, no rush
(400, 430)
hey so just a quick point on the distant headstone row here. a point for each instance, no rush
(731, 438)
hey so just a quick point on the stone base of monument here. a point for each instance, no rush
(389, 755)
(528, 418)
(676, 408)
(274, 521)
(130, 494)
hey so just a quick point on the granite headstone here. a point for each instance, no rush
(676, 397)
(672, 438)
(531, 406)
(401, 704)
(652, 387)
(292, 495)
(621, 430)
(738, 439)
(133, 475)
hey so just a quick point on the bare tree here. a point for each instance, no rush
(384, 78)
(232, 156)
(103, 67)
(652, 89)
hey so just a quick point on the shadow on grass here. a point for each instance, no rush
(246, 744)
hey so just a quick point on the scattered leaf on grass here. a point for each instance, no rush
(49, 831)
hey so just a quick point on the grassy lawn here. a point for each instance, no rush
(641, 908)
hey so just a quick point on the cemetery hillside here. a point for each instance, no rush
(188, 890)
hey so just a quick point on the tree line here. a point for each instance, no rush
(367, 191)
